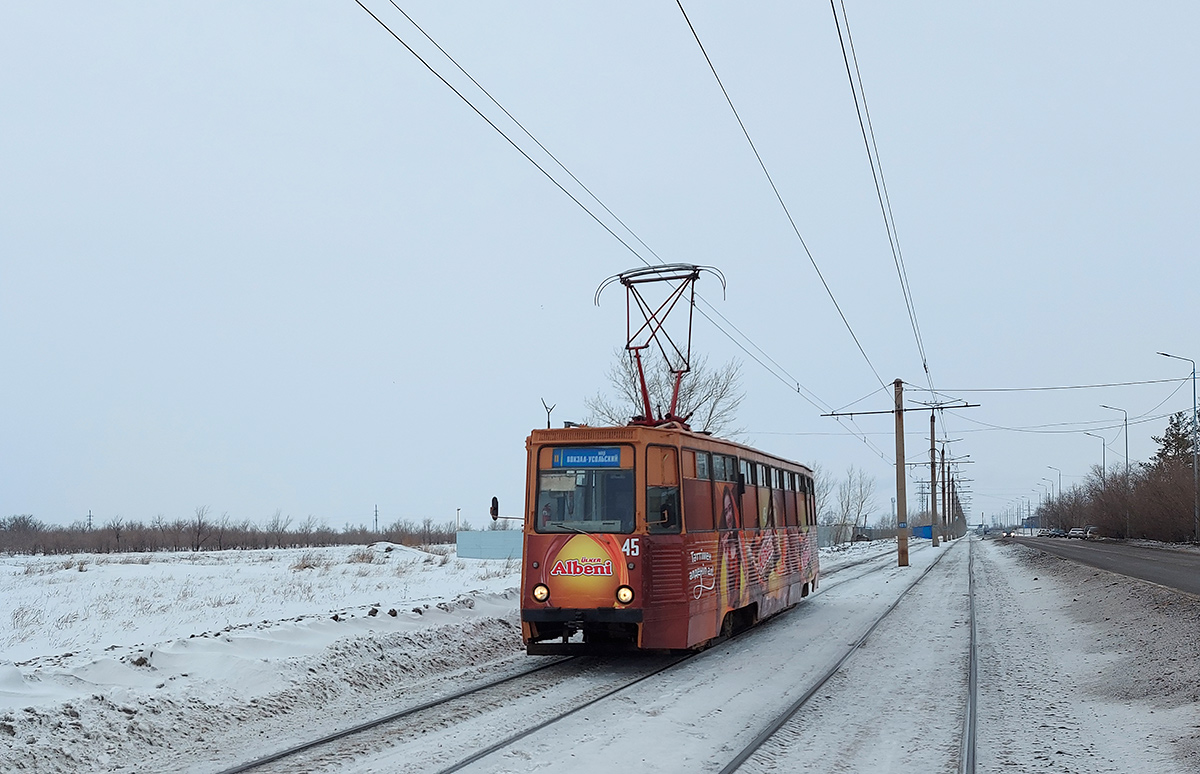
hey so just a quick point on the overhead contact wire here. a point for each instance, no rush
(815, 401)
(778, 196)
(863, 113)
(500, 131)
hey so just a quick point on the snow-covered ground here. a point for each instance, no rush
(192, 662)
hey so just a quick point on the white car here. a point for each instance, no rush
(1078, 532)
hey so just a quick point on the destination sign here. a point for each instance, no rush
(587, 457)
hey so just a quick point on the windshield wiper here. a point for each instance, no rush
(564, 525)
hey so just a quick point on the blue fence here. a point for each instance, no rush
(489, 544)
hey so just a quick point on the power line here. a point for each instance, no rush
(499, 131)
(776, 371)
(1038, 429)
(948, 392)
(775, 188)
(885, 204)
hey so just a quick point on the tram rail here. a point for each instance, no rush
(324, 748)
(967, 746)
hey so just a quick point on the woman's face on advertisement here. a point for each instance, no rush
(727, 512)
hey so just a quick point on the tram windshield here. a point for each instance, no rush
(585, 500)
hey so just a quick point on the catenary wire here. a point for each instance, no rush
(885, 205)
(791, 382)
(778, 195)
(948, 392)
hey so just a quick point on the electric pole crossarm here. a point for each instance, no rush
(893, 411)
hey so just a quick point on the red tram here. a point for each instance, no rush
(657, 537)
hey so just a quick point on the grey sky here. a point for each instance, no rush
(254, 256)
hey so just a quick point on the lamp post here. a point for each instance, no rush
(1059, 479)
(1103, 447)
(1126, 415)
(1051, 486)
(1195, 430)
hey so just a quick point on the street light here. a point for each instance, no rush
(1126, 415)
(1103, 448)
(1195, 429)
(1059, 479)
(1044, 505)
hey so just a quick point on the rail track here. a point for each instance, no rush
(967, 742)
(599, 680)
(290, 753)
(462, 704)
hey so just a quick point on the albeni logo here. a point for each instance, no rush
(582, 566)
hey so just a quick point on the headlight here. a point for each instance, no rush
(541, 592)
(624, 595)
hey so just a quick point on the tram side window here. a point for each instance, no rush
(662, 489)
(809, 501)
(702, 471)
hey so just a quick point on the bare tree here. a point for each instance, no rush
(821, 495)
(277, 526)
(709, 397)
(200, 528)
(115, 525)
(220, 528)
(306, 529)
(856, 497)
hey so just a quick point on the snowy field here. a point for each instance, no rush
(165, 662)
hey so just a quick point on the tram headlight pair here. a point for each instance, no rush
(624, 595)
(541, 592)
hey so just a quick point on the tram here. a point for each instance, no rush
(658, 538)
(651, 536)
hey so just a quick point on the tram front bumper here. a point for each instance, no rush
(603, 628)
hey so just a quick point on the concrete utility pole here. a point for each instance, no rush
(901, 494)
(1124, 414)
(1195, 450)
(946, 520)
(933, 508)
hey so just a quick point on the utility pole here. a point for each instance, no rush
(901, 495)
(933, 509)
(902, 530)
(376, 519)
(946, 519)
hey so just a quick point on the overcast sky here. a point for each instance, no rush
(255, 256)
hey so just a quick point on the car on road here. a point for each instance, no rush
(1057, 533)
(1043, 533)
(1091, 533)
(1078, 532)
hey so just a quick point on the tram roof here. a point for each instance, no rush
(643, 434)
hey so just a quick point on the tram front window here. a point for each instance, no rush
(585, 501)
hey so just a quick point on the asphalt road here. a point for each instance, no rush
(1175, 569)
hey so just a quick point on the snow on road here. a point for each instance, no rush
(195, 662)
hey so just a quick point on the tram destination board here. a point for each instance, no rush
(587, 457)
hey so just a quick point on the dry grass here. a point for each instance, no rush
(363, 556)
(311, 561)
